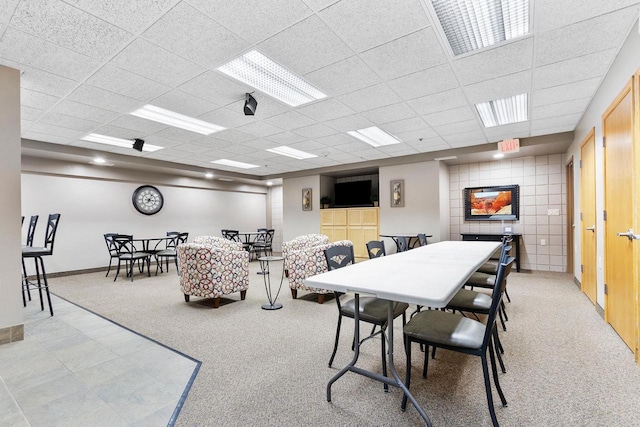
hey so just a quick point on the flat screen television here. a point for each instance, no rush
(497, 203)
(353, 193)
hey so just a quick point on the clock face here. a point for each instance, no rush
(147, 200)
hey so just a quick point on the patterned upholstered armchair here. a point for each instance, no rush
(301, 242)
(211, 267)
(307, 262)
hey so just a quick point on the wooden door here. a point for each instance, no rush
(588, 215)
(620, 298)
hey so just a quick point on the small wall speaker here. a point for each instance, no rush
(138, 144)
(250, 105)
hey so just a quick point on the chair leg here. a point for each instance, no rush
(425, 366)
(186, 298)
(487, 387)
(118, 271)
(507, 294)
(320, 298)
(46, 285)
(495, 376)
(294, 293)
(216, 302)
(335, 346)
(243, 295)
(109, 268)
(407, 380)
(39, 283)
(384, 359)
(496, 344)
(504, 311)
(504, 327)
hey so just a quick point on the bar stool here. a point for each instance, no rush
(37, 253)
(33, 221)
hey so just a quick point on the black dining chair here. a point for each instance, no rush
(128, 253)
(112, 248)
(170, 251)
(37, 253)
(263, 242)
(371, 309)
(31, 231)
(403, 243)
(460, 334)
(375, 249)
(422, 239)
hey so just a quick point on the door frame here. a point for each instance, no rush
(570, 214)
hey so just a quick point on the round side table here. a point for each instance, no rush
(264, 266)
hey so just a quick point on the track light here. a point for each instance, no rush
(250, 105)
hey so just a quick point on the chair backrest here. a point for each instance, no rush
(403, 244)
(339, 256)
(175, 238)
(123, 243)
(498, 290)
(111, 245)
(52, 227)
(269, 236)
(375, 249)
(32, 229)
(233, 235)
(422, 239)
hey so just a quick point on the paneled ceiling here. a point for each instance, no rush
(86, 64)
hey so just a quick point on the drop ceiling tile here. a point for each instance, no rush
(370, 98)
(30, 114)
(214, 87)
(552, 130)
(363, 24)
(187, 32)
(426, 82)
(102, 148)
(259, 129)
(317, 162)
(343, 76)
(337, 139)
(315, 131)
(83, 111)
(465, 139)
(407, 125)
(566, 92)
(155, 63)
(43, 82)
(573, 70)
(554, 122)
(415, 135)
(38, 100)
(239, 149)
(438, 102)
(560, 108)
(551, 14)
(254, 20)
(310, 146)
(143, 126)
(305, 46)
(514, 130)
(6, 8)
(353, 145)
(37, 53)
(354, 122)
(458, 127)
(372, 154)
(48, 129)
(183, 103)
(92, 95)
(428, 145)
(317, 5)
(498, 88)
(227, 117)
(455, 115)
(290, 120)
(259, 146)
(398, 150)
(69, 122)
(191, 148)
(123, 133)
(234, 136)
(178, 134)
(500, 61)
(211, 143)
(406, 55)
(286, 138)
(47, 138)
(267, 106)
(593, 35)
(65, 25)
(325, 109)
(390, 113)
(160, 141)
(130, 15)
(126, 83)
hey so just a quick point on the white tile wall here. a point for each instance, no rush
(542, 187)
(276, 217)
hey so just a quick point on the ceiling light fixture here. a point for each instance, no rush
(234, 164)
(470, 24)
(208, 175)
(504, 111)
(225, 179)
(283, 150)
(498, 156)
(99, 161)
(445, 158)
(374, 136)
(171, 118)
(260, 72)
(118, 142)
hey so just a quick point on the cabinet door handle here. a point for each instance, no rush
(629, 234)
(592, 228)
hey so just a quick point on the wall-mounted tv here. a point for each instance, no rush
(353, 193)
(497, 203)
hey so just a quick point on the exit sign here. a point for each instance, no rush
(509, 146)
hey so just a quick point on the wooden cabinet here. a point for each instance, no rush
(359, 225)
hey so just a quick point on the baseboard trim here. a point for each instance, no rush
(577, 282)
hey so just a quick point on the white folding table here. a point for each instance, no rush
(428, 276)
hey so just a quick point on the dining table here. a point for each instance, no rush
(427, 276)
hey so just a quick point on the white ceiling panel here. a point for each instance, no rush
(30, 114)
(498, 88)
(155, 63)
(406, 125)
(65, 25)
(343, 76)
(515, 130)
(142, 126)
(406, 55)
(69, 122)
(552, 130)
(566, 92)
(416, 135)
(254, 20)
(306, 46)
(573, 70)
(431, 144)
(216, 88)
(190, 34)
(561, 108)
(311, 146)
(465, 139)
(123, 82)
(48, 129)
(390, 113)
(454, 115)
(457, 127)
(42, 81)
(552, 122)
(551, 14)
(426, 82)
(6, 8)
(438, 102)
(235, 136)
(92, 95)
(314, 131)
(178, 134)
(286, 138)
(83, 111)
(364, 24)
(130, 15)
(354, 122)
(259, 129)
(339, 139)
(183, 103)
(39, 100)
(227, 117)
(370, 98)
(290, 120)
(325, 109)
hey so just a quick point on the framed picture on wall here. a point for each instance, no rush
(306, 199)
(397, 193)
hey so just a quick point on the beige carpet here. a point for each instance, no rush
(566, 367)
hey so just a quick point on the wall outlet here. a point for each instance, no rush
(554, 212)
(543, 242)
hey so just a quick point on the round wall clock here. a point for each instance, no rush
(147, 200)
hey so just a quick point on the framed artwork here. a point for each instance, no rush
(397, 193)
(306, 199)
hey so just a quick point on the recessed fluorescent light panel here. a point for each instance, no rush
(260, 72)
(374, 136)
(234, 164)
(118, 142)
(504, 111)
(473, 24)
(291, 152)
(445, 158)
(160, 115)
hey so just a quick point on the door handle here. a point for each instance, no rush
(629, 234)
(592, 228)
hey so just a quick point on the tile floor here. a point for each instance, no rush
(79, 369)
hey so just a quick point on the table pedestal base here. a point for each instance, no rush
(274, 306)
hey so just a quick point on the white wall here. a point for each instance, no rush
(623, 67)
(90, 208)
(10, 302)
(275, 201)
(296, 221)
